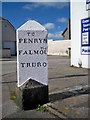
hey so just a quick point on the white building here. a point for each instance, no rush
(80, 33)
(67, 32)
(8, 38)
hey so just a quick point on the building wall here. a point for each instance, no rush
(66, 35)
(8, 32)
(10, 45)
(8, 37)
(0, 34)
(59, 47)
(6, 53)
(78, 12)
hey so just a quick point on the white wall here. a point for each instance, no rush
(58, 47)
(8, 36)
(8, 32)
(6, 53)
(10, 45)
(78, 12)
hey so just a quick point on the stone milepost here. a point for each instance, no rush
(32, 62)
(32, 53)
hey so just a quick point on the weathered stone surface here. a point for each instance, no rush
(33, 94)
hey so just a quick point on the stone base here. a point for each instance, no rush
(33, 94)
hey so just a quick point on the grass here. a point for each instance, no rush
(42, 108)
(13, 96)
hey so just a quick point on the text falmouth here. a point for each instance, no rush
(41, 51)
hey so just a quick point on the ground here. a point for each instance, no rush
(68, 90)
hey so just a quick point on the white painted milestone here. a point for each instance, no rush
(32, 53)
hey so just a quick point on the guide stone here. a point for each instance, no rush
(32, 53)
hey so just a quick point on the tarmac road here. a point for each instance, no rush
(61, 77)
(8, 67)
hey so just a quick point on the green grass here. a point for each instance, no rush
(13, 96)
(42, 108)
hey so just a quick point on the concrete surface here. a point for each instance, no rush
(8, 65)
(62, 76)
(73, 107)
(68, 91)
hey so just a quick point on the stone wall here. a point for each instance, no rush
(59, 47)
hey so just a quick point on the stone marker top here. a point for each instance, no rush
(32, 25)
